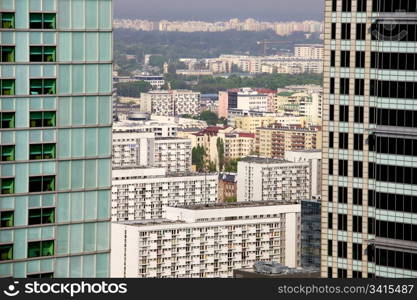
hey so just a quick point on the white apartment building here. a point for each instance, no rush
(146, 150)
(309, 51)
(313, 157)
(156, 81)
(266, 179)
(207, 241)
(252, 100)
(144, 193)
(160, 129)
(172, 102)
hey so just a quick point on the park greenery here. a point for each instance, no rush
(132, 89)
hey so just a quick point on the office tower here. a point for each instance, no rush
(369, 172)
(56, 116)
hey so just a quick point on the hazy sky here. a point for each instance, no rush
(220, 9)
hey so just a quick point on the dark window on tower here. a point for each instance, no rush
(357, 224)
(357, 251)
(329, 248)
(341, 273)
(358, 141)
(334, 5)
(343, 140)
(342, 249)
(342, 195)
(360, 59)
(393, 89)
(357, 196)
(344, 113)
(344, 86)
(359, 87)
(361, 31)
(331, 139)
(330, 166)
(358, 169)
(330, 221)
(332, 85)
(346, 5)
(330, 193)
(333, 31)
(356, 274)
(394, 5)
(345, 59)
(358, 115)
(329, 272)
(361, 6)
(371, 226)
(331, 112)
(345, 34)
(333, 58)
(343, 167)
(342, 222)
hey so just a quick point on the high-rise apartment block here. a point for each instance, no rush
(207, 240)
(56, 118)
(172, 102)
(369, 202)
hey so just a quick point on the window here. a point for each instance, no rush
(7, 119)
(43, 53)
(394, 5)
(7, 186)
(332, 83)
(329, 272)
(358, 141)
(343, 140)
(7, 54)
(330, 193)
(40, 248)
(42, 21)
(7, 87)
(357, 251)
(346, 5)
(359, 87)
(342, 222)
(358, 114)
(360, 59)
(7, 153)
(357, 224)
(331, 139)
(6, 219)
(41, 184)
(41, 216)
(333, 33)
(331, 112)
(6, 252)
(357, 196)
(342, 195)
(342, 249)
(358, 169)
(330, 221)
(343, 167)
(43, 119)
(356, 274)
(345, 59)
(345, 34)
(360, 31)
(361, 5)
(42, 151)
(341, 273)
(329, 248)
(334, 5)
(330, 166)
(41, 275)
(42, 86)
(344, 113)
(7, 20)
(344, 86)
(333, 58)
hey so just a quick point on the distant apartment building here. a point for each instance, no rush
(238, 144)
(227, 187)
(303, 104)
(310, 51)
(160, 129)
(266, 179)
(172, 102)
(310, 234)
(146, 150)
(313, 157)
(252, 123)
(273, 141)
(156, 81)
(207, 241)
(144, 193)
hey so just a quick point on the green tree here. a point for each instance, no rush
(231, 199)
(198, 154)
(132, 89)
(210, 117)
(231, 165)
(220, 153)
(157, 61)
(212, 166)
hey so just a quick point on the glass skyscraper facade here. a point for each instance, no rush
(369, 207)
(56, 118)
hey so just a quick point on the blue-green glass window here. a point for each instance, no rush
(41, 275)
(41, 216)
(42, 86)
(7, 53)
(7, 186)
(7, 87)
(7, 152)
(7, 119)
(6, 219)
(42, 151)
(42, 53)
(42, 21)
(7, 20)
(41, 248)
(43, 119)
(6, 252)
(41, 184)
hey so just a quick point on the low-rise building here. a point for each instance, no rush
(206, 241)
(227, 187)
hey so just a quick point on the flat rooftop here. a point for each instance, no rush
(150, 222)
(236, 205)
(264, 160)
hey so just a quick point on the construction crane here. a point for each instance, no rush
(265, 43)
